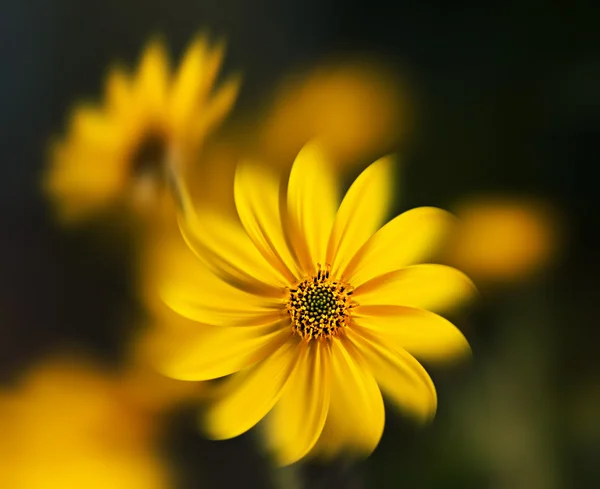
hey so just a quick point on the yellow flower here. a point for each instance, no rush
(317, 307)
(354, 107)
(70, 424)
(114, 153)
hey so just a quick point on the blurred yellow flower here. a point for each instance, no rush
(315, 307)
(503, 238)
(69, 424)
(354, 107)
(115, 153)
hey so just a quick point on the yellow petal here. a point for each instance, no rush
(217, 107)
(312, 201)
(152, 78)
(356, 414)
(173, 274)
(118, 91)
(432, 287)
(421, 333)
(257, 194)
(399, 375)
(296, 421)
(406, 240)
(208, 352)
(251, 394)
(219, 307)
(361, 213)
(91, 127)
(194, 80)
(226, 248)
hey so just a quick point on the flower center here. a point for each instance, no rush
(319, 307)
(148, 158)
(148, 169)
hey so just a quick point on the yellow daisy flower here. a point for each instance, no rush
(317, 307)
(115, 153)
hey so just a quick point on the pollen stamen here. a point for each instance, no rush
(319, 307)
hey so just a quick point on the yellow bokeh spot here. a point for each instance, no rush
(504, 238)
(355, 108)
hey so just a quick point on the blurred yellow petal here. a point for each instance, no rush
(118, 91)
(356, 414)
(93, 127)
(312, 200)
(361, 213)
(211, 351)
(431, 287)
(194, 79)
(406, 240)
(218, 106)
(228, 250)
(152, 78)
(421, 333)
(251, 394)
(402, 379)
(257, 196)
(296, 421)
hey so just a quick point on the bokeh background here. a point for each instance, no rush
(500, 103)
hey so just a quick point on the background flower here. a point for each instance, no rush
(69, 423)
(116, 153)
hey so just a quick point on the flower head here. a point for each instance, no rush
(115, 153)
(317, 308)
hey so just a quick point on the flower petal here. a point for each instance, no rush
(118, 92)
(361, 213)
(399, 375)
(421, 333)
(194, 79)
(189, 287)
(257, 194)
(208, 352)
(312, 200)
(406, 240)
(218, 106)
(251, 394)
(212, 306)
(226, 248)
(431, 287)
(356, 413)
(151, 79)
(295, 423)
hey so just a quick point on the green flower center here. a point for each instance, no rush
(319, 307)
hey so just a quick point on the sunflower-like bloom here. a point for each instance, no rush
(114, 153)
(317, 308)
